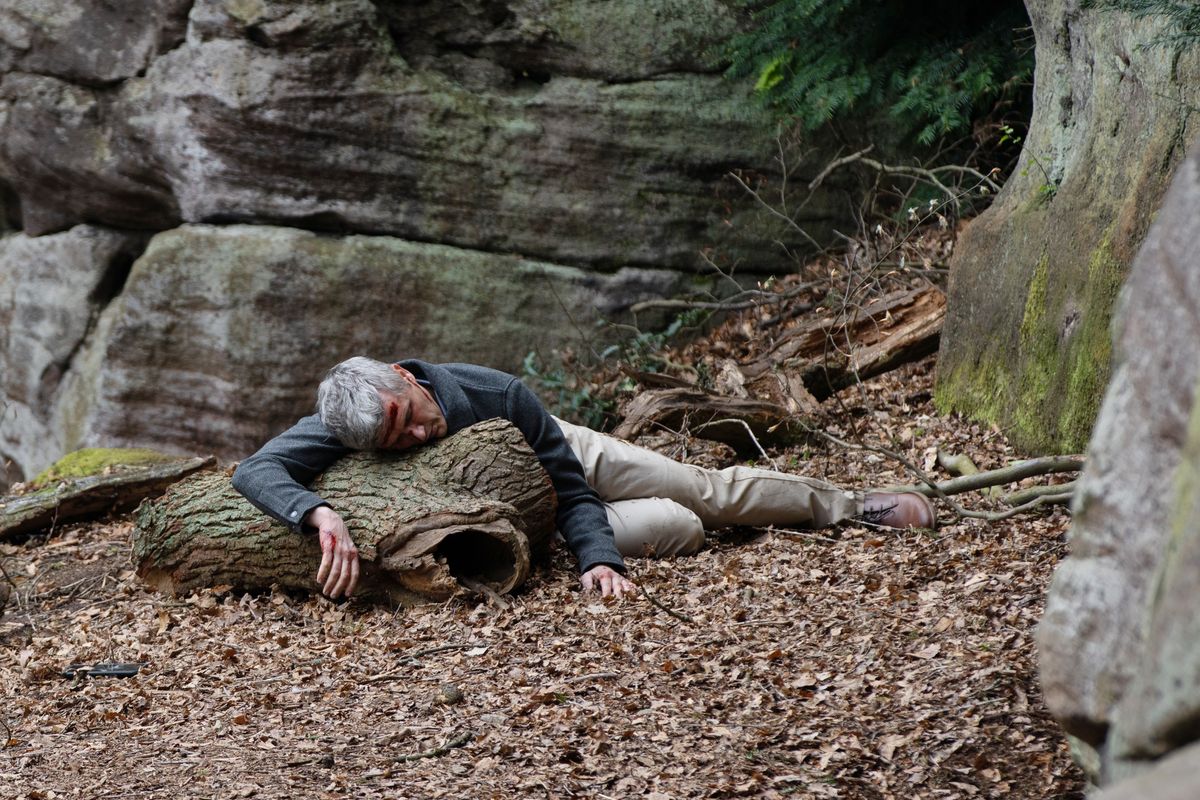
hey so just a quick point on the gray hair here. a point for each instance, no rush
(349, 403)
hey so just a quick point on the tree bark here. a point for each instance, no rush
(1034, 280)
(469, 508)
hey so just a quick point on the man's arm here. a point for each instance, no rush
(581, 515)
(274, 479)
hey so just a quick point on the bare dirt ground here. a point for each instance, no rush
(847, 662)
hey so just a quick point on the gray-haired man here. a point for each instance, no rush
(613, 497)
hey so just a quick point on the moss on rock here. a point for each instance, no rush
(1048, 397)
(94, 460)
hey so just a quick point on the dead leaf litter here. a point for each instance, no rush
(841, 663)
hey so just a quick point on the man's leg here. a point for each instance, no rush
(618, 470)
(661, 526)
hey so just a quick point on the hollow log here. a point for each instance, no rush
(470, 508)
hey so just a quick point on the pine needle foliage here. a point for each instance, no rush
(1184, 16)
(937, 66)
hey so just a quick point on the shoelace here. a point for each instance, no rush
(876, 516)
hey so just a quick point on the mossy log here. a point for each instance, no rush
(465, 511)
(116, 486)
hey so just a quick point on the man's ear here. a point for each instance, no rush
(403, 373)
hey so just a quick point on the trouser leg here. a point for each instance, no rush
(618, 470)
(656, 526)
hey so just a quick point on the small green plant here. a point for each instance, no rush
(566, 394)
(643, 351)
(938, 69)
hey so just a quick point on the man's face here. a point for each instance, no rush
(410, 419)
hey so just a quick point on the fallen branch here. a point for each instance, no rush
(933, 489)
(960, 465)
(997, 477)
(827, 353)
(91, 496)
(1044, 500)
(1023, 496)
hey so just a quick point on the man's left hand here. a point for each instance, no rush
(607, 581)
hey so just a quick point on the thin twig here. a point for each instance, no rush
(411, 659)
(735, 303)
(776, 213)
(439, 751)
(929, 175)
(804, 534)
(670, 611)
(837, 162)
(749, 433)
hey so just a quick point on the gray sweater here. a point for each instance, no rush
(275, 478)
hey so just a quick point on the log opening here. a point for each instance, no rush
(478, 557)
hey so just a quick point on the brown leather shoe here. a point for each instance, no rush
(898, 510)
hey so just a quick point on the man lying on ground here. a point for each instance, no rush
(614, 498)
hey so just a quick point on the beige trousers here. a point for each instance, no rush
(655, 501)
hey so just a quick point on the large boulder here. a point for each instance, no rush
(222, 333)
(1120, 640)
(1034, 279)
(574, 131)
(468, 181)
(52, 290)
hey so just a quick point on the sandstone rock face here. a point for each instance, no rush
(51, 292)
(1172, 779)
(486, 179)
(222, 332)
(90, 43)
(1120, 639)
(568, 131)
(1034, 279)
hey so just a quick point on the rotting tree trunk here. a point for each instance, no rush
(824, 354)
(466, 510)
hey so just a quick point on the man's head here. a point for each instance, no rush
(372, 405)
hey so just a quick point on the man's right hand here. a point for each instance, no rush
(338, 573)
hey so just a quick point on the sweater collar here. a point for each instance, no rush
(447, 391)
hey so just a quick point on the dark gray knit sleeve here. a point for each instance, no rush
(581, 515)
(275, 478)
